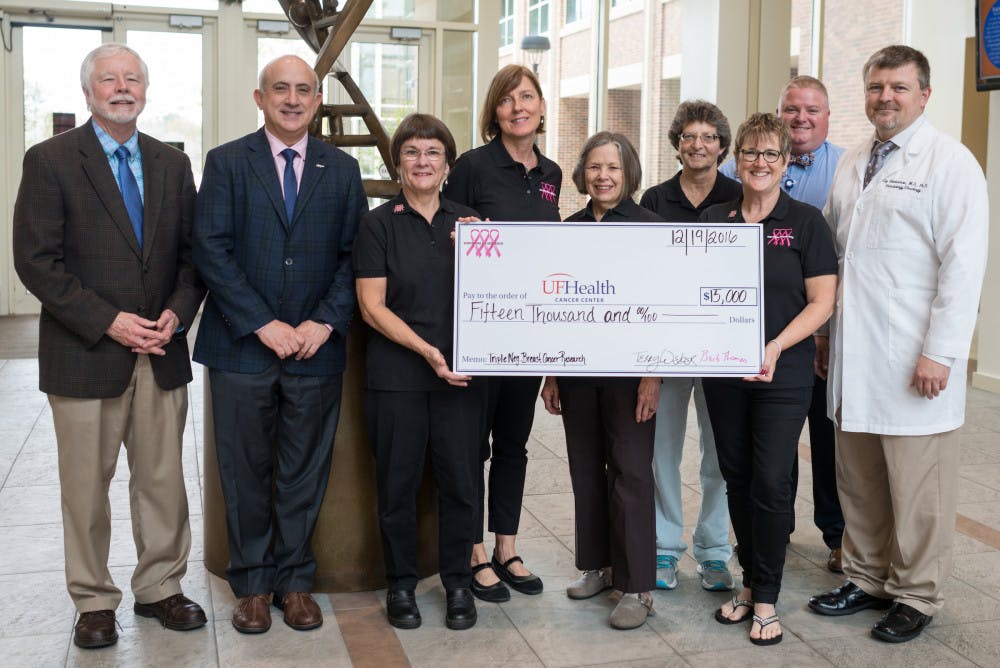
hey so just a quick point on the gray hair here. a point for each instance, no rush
(109, 50)
(631, 169)
(263, 70)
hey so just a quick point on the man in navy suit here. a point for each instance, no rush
(275, 222)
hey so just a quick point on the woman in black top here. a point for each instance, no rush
(507, 179)
(609, 423)
(404, 262)
(757, 420)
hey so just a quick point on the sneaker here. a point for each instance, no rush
(590, 583)
(632, 610)
(715, 575)
(666, 571)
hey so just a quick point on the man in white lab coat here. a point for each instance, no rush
(910, 218)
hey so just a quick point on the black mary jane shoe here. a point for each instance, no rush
(495, 593)
(401, 608)
(846, 600)
(900, 624)
(461, 609)
(526, 584)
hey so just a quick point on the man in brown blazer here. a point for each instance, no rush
(102, 237)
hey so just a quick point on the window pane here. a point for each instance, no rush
(173, 102)
(47, 89)
(387, 75)
(262, 7)
(458, 93)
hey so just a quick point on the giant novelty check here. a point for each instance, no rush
(620, 299)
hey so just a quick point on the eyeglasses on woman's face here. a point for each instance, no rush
(705, 137)
(750, 155)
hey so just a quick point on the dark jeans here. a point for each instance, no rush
(401, 426)
(273, 429)
(611, 467)
(756, 435)
(510, 411)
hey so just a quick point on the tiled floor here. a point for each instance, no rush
(36, 616)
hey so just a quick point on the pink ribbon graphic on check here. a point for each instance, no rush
(484, 240)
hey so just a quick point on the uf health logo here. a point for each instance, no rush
(483, 241)
(567, 284)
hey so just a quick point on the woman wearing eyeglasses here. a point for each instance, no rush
(507, 179)
(757, 420)
(609, 422)
(701, 136)
(404, 264)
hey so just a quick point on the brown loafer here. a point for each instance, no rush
(252, 614)
(835, 562)
(176, 612)
(302, 612)
(95, 629)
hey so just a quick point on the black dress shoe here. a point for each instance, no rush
(526, 584)
(495, 593)
(401, 606)
(95, 629)
(900, 624)
(461, 610)
(846, 599)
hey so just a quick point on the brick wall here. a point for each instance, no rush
(854, 30)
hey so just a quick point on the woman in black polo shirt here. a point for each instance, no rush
(507, 179)
(609, 423)
(757, 420)
(404, 264)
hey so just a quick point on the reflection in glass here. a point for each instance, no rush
(387, 75)
(49, 89)
(173, 101)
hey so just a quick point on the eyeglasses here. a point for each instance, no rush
(750, 154)
(706, 138)
(413, 154)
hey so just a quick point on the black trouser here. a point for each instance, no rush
(611, 467)
(252, 413)
(510, 410)
(401, 426)
(822, 441)
(756, 435)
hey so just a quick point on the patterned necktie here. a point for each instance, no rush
(291, 185)
(803, 160)
(130, 192)
(879, 153)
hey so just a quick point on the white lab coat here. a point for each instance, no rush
(912, 251)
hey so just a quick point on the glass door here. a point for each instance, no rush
(174, 100)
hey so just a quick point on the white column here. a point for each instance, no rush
(735, 53)
(939, 30)
(487, 43)
(987, 375)
(597, 108)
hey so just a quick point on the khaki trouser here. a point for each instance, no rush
(899, 495)
(90, 432)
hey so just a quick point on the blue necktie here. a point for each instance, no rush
(880, 151)
(130, 192)
(291, 185)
